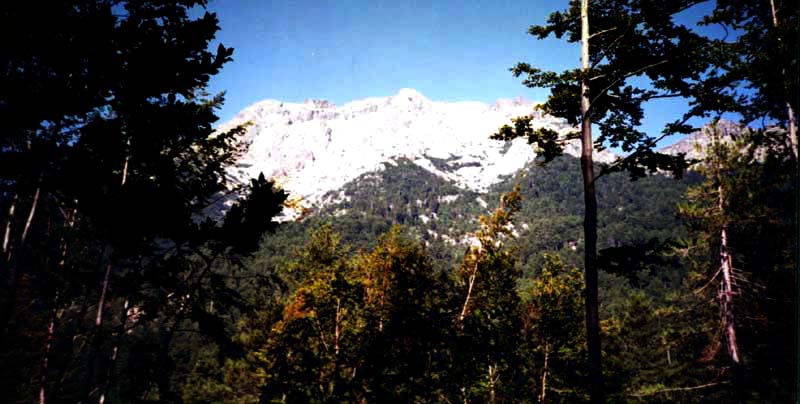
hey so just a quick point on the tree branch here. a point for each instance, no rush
(601, 32)
(639, 150)
(666, 390)
(631, 74)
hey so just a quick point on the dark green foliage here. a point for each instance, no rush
(372, 326)
(551, 208)
(628, 40)
(490, 367)
(114, 284)
(761, 62)
(758, 206)
(108, 164)
(553, 324)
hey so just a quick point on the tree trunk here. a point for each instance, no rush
(120, 334)
(726, 290)
(13, 273)
(44, 366)
(98, 321)
(726, 293)
(472, 276)
(789, 109)
(543, 394)
(337, 331)
(93, 375)
(792, 129)
(69, 224)
(589, 222)
(30, 216)
(492, 377)
(9, 221)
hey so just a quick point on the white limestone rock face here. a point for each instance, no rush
(694, 146)
(314, 147)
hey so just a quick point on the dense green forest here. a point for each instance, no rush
(118, 284)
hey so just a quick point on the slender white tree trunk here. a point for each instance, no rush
(9, 220)
(31, 213)
(473, 274)
(726, 289)
(792, 129)
(102, 302)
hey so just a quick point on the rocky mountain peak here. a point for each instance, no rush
(315, 147)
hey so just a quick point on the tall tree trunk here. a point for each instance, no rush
(792, 129)
(726, 293)
(31, 213)
(120, 334)
(10, 275)
(44, 366)
(726, 288)
(789, 109)
(543, 393)
(94, 361)
(13, 273)
(9, 221)
(590, 222)
(98, 321)
(473, 274)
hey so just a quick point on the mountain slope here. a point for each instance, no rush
(444, 216)
(316, 147)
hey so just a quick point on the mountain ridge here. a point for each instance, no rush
(315, 147)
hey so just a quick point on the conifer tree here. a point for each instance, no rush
(553, 321)
(742, 249)
(489, 319)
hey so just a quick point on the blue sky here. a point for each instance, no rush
(346, 50)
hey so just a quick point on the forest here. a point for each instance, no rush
(656, 278)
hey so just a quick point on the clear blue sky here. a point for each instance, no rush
(346, 50)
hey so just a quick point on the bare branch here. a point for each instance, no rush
(602, 32)
(667, 390)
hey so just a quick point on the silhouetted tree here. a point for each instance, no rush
(621, 41)
(108, 164)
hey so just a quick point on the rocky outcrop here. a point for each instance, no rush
(315, 147)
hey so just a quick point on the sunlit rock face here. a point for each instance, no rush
(695, 145)
(315, 147)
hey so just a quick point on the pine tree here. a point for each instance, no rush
(553, 321)
(489, 319)
(740, 219)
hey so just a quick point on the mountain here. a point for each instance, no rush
(694, 145)
(431, 167)
(315, 147)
